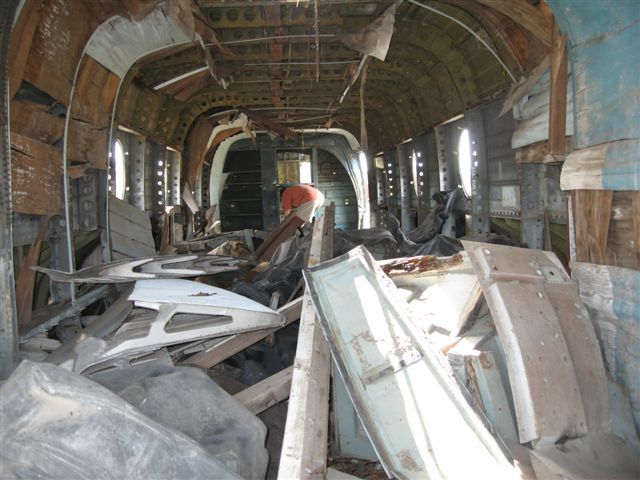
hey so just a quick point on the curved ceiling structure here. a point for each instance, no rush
(434, 68)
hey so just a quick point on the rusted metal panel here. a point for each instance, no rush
(553, 356)
(57, 45)
(20, 44)
(88, 144)
(36, 176)
(95, 93)
(34, 121)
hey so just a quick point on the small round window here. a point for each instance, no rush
(464, 161)
(119, 170)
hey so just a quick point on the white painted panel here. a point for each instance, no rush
(120, 42)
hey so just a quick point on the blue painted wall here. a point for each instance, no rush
(604, 51)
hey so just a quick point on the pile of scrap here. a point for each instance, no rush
(317, 350)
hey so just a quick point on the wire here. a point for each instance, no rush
(493, 52)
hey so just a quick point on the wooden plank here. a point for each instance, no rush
(558, 94)
(517, 92)
(606, 166)
(36, 176)
(20, 43)
(623, 249)
(88, 144)
(534, 153)
(130, 230)
(280, 234)
(267, 393)
(34, 121)
(304, 447)
(141, 233)
(635, 208)
(237, 343)
(129, 247)
(196, 149)
(592, 214)
(27, 276)
(126, 210)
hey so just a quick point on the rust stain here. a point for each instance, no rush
(421, 264)
(486, 363)
(407, 461)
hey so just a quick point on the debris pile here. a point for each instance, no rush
(274, 355)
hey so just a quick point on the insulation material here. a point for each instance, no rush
(375, 38)
(36, 176)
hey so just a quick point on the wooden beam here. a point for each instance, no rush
(524, 85)
(267, 393)
(304, 447)
(558, 94)
(281, 233)
(237, 343)
(36, 176)
(592, 214)
(27, 276)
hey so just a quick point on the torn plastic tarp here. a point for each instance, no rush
(57, 424)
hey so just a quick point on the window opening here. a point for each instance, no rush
(294, 167)
(464, 161)
(119, 170)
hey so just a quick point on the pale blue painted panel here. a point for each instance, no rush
(621, 170)
(604, 51)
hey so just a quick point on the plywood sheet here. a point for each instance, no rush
(130, 230)
(36, 176)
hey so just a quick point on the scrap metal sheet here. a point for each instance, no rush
(187, 311)
(555, 366)
(413, 411)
